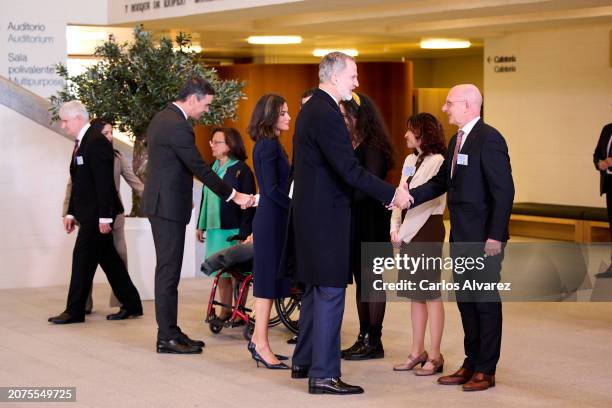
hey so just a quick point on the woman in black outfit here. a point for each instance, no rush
(370, 218)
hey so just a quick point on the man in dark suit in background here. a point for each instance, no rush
(602, 158)
(94, 203)
(167, 201)
(477, 176)
(325, 173)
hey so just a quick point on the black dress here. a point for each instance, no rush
(370, 218)
(270, 223)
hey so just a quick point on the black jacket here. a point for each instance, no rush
(173, 161)
(94, 195)
(240, 177)
(479, 195)
(601, 153)
(326, 172)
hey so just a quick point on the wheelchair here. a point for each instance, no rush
(242, 314)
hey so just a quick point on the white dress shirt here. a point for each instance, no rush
(467, 128)
(417, 217)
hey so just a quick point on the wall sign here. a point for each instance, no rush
(503, 63)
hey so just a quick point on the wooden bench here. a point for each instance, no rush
(560, 222)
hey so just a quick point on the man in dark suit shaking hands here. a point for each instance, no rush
(325, 173)
(477, 178)
(94, 204)
(167, 201)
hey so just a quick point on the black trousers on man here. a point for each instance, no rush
(169, 240)
(90, 250)
(481, 310)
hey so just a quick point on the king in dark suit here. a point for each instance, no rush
(94, 203)
(318, 241)
(167, 201)
(477, 178)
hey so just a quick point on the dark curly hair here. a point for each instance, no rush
(265, 116)
(428, 129)
(370, 128)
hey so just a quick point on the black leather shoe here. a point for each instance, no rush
(356, 346)
(298, 371)
(176, 346)
(65, 318)
(369, 350)
(123, 314)
(190, 342)
(332, 386)
(605, 274)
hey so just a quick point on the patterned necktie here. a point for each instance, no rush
(456, 152)
(76, 147)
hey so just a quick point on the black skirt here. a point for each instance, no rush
(427, 243)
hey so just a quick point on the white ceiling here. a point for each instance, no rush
(380, 30)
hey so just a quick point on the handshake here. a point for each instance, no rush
(402, 198)
(244, 200)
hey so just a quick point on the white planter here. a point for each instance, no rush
(141, 255)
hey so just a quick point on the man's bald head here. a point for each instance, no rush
(463, 104)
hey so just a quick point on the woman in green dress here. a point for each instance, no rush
(225, 222)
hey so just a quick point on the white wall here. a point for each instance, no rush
(552, 109)
(34, 249)
(27, 55)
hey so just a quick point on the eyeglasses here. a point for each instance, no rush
(216, 142)
(450, 103)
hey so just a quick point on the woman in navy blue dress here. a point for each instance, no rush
(270, 117)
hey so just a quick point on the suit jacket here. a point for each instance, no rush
(93, 195)
(326, 172)
(480, 195)
(173, 161)
(121, 167)
(240, 177)
(601, 153)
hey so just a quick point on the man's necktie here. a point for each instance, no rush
(456, 152)
(76, 147)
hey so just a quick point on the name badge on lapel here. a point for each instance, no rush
(79, 160)
(462, 159)
(408, 171)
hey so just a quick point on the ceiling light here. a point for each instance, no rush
(444, 44)
(320, 52)
(274, 39)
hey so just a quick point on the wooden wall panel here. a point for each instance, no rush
(389, 84)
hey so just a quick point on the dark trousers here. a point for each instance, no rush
(609, 207)
(90, 250)
(318, 344)
(169, 240)
(481, 316)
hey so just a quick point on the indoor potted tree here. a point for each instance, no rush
(130, 84)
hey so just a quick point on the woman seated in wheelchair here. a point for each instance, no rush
(225, 223)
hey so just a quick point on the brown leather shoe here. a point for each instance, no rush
(459, 377)
(479, 382)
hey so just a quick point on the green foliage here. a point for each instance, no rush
(134, 81)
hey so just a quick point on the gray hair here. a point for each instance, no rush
(72, 109)
(332, 63)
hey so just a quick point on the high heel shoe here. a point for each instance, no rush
(278, 356)
(259, 359)
(411, 363)
(438, 366)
